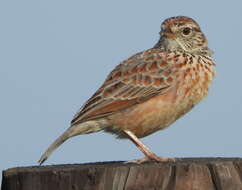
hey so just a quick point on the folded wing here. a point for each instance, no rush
(134, 81)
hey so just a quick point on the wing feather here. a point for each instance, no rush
(135, 80)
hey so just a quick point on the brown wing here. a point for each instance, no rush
(135, 80)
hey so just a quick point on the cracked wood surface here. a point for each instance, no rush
(184, 174)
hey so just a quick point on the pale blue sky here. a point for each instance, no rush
(55, 54)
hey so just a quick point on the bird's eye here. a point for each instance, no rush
(186, 31)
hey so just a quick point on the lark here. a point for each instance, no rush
(150, 90)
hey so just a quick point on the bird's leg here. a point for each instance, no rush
(146, 151)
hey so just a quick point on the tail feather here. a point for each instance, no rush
(61, 139)
(83, 128)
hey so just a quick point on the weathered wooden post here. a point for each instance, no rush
(184, 174)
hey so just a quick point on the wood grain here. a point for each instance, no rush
(184, 174)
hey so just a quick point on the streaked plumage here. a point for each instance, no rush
(150, 90)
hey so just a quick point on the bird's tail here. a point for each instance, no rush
(83, 128)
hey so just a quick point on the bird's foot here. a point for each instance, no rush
(154, 157)
(150, 159)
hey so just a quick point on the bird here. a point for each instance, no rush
(150, 90)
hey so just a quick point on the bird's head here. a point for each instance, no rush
(182, 34)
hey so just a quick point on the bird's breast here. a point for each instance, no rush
(191, 86)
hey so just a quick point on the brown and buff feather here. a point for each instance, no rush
(134, 81)
(151, 89)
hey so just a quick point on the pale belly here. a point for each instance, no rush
(155, 114)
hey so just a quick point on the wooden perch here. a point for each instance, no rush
(184, 174)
